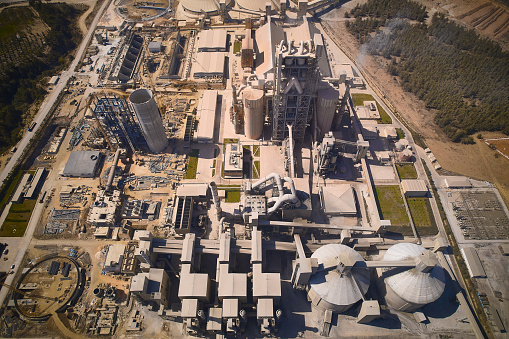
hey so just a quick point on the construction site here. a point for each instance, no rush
(221, 169)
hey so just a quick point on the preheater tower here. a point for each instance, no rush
(149, 118)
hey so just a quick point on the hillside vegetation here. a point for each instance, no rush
(461, 75)
(34, 42)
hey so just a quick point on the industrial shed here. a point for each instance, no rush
(414, 188)
(474, 265)
(458, 182)
(212, 40)
(82, 164)
(338, 200)
(209, 64)
(207, 117)
(154, 47)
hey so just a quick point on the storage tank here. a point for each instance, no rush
(202, 6)
(331, 289)
(409, 289)
(253, 112)
(147, 112)
(326, 108)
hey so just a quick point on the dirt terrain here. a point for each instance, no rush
(477, 161)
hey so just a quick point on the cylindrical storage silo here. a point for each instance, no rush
(326, 108)
(253, 112)
(147, 112)
(331, 289)
(410, 289)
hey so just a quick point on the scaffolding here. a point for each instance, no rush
(292, 101)
(114, 113)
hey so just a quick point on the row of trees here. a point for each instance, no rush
(20, 84)
(464, 77)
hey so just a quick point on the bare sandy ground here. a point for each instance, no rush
(477, 161)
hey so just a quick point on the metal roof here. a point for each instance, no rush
(414, 185)
(413, 285)
(338, 200)
(212, 39)
(474, 265)
(207, 116)
(82, 164)
(192, 190)
(331, 285)
(266, 38)
(209, 64)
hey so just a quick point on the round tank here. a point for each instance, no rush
(98, 292)
(399, 146)
(301, 61)
(253, 5)
(331, 289)
(147, 112)
(405, 155)
(326, 108)
(253, 112)
(199, 6)
(412, 288)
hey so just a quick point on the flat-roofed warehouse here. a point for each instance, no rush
(414, 188)
(474, 265)
(207, 117)
(212, 40)
(82, 164)
(209, 64)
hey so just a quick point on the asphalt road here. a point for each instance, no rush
(48, 184)
(48, 102)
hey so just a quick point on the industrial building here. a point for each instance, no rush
(207, 117)
(414, 188)
(209, 65)
(212, 40)
(233, 161)
(82, 164)
(474, 265)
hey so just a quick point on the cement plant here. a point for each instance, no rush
(222, 169)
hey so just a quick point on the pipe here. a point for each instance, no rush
(291, 197)
(283, 47)
(274, 176)
(310, 45)
(113, 168)
(290, 48)
(301, 47)
(292, 166)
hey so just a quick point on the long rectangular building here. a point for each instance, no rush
(209, 64)
(212, 40)
(207, 115)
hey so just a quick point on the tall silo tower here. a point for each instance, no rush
(147, 112)
(253, 112)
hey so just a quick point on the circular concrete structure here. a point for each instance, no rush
(329, 288)
(202, 6)
(48, 289)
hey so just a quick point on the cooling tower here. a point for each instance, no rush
(145, 107)
(326, 108)
(409, 289)
(253, 112)
(331, 289)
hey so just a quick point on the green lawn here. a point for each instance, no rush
(422, 215)
(236, 47)
(193, 164)
(401, 133)
(391, 205)
(256, 151)
(358, 100)
(17, 220)
(232, 195)
(256, 169)
(406, 171)
(7, 191)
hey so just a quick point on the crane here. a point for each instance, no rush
(26, 294)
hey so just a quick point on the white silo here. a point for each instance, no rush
(147, 112)
(253, 112)
(333, 288)
(411, 288)
(326, 108)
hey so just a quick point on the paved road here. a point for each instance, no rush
(48, 102)
(48, 184)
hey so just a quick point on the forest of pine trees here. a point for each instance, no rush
(452, 69)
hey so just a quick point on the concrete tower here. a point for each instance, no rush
(150, 121)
